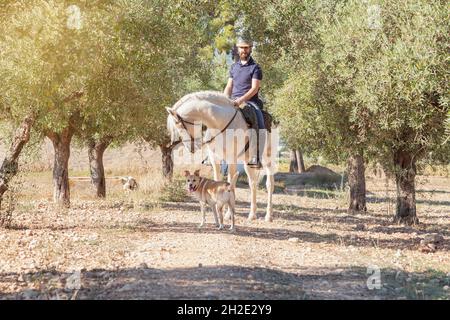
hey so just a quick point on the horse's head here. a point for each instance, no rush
(179, 132)
(194, 112)
(173, 123)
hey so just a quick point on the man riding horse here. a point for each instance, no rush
(216, 112)
(243, 86)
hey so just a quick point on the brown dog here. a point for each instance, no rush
(216, 194)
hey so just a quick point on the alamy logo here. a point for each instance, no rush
(231, 146)
(374, 280)
(73, 282)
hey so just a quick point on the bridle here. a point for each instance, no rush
(192, 139)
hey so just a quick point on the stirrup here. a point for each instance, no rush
(254, 163)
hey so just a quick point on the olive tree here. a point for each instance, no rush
(375, 85)
(49, 50)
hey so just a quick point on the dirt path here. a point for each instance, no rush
(314, 249)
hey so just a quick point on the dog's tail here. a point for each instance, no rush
(233, 182)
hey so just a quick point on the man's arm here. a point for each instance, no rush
(228, 88)
(250, 93)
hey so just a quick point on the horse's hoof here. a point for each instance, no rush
(221, 227)
(252, 217)
(201, 225)
(232, 229)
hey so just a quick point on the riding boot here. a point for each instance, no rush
(255, 159)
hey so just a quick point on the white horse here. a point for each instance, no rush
(216, 111)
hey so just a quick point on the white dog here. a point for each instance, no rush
(129, 183)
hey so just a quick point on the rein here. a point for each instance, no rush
(183, 122)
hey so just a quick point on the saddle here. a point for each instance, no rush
(249, 113)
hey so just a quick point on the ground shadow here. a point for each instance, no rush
(284, 235)
(228, 282)
(340, 217)
(373, 199)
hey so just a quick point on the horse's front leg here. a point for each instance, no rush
(252, 175)
(216, 173)
(231, 172)
(216, 169)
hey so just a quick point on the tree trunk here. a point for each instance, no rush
(61, 145)
(10, 164)
(357, 183)
(96, 149)
(300, 162)
(405, 173)
(293, 166)
(167, 161)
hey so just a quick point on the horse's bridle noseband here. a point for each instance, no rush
(183, 122)
(192, 140)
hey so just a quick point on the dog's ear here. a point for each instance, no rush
(197, 173)
(123, 180)
(187, 173)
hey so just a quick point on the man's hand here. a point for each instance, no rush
(237, 102)
(250, 93)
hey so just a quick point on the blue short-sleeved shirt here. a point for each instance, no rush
(242, 76)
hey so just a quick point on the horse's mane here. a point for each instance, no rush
(215, 97)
